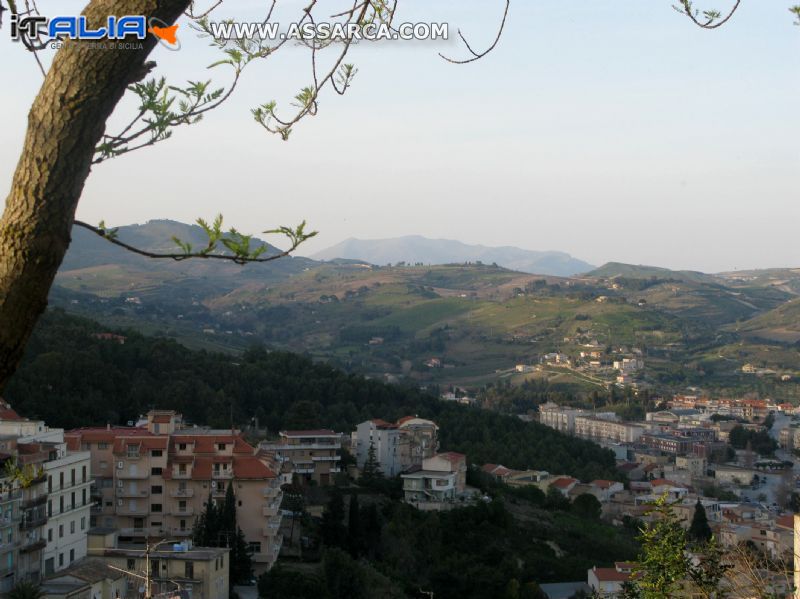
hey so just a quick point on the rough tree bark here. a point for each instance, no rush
(65, 123)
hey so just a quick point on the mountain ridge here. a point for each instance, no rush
(419, 249)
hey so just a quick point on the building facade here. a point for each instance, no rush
(314, 455)
(153, 480)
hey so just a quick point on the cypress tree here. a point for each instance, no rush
(699, 530)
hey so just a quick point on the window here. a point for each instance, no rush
(221, 446)
(102, 446)
(156, 453)
(72, 527)
(83, 523)
(60, 531)
(181, 468)
(156, 490)
(182, 446)
(254, 547)
(83, 497)
(71, 555)
(72, 476)
(103, 464)
(182, 524)
(49, 535)
(155, 508)
(188, 570)
(83, 474)
(60, 480)
(131, 564)
(72, 496)
(133, 451)
(50, 484)
(109, 503)
(155, 471)
(61, 505)
(49, 508)
(181, 506)
(60, 559)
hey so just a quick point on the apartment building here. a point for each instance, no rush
(668, 443)
(54, 503)
(563, 418)
(153, 480)
(398, 446)
(598, 428)
(313, 454)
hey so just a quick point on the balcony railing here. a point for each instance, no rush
(126, 510)
(183, 511)
(326, 458)
(128, 475)
(131, 493)
(140, 532)
(33, 502)
(33, 545)
(223, 474)
(31, 523)
(181, 493)
(270, 510)
(185, 475)
(271, 492)
(181, 532)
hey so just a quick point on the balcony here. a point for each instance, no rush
(126, 510)
(131, 493)
(222, 474)
(34, 522)
(32, 545)
(181, 475)
(33, 502)
(270, 530)
(140, 532)
(182, 511)
(271, 492)
(181, 493)
(271, 509)
(326, 458)
(128, 475)
(181, 532)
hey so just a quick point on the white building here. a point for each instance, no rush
(386, 439)
(68, 508)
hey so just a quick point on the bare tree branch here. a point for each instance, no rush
(479, 55)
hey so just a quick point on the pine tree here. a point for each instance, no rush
(372, 468)
(700, 531)
(241, 564)
(227, 515)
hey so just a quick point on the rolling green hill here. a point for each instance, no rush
(477, 321)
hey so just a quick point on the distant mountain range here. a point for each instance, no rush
(415, 249)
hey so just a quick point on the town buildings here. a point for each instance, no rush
(46, 505)
(437, 483)
(314, 455)
(153, 480)
(396, 446)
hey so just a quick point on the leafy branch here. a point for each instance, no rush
(238, 247)
(707, 19)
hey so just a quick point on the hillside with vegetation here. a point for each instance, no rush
(465, 325)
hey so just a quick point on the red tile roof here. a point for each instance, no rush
(602, 484)
(496, 469)
(564, 482)
(611, 575)
(658, 482)
(7, 412)
(785, 521)
(451, 456)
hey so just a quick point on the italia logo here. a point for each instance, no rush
(77, 28)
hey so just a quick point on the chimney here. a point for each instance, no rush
(108, 426)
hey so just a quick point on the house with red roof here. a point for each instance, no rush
(563, 484)
(153, 480)
(608, 582)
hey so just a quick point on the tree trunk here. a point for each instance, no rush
(65, 123)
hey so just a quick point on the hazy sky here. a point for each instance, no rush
(612, 130)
